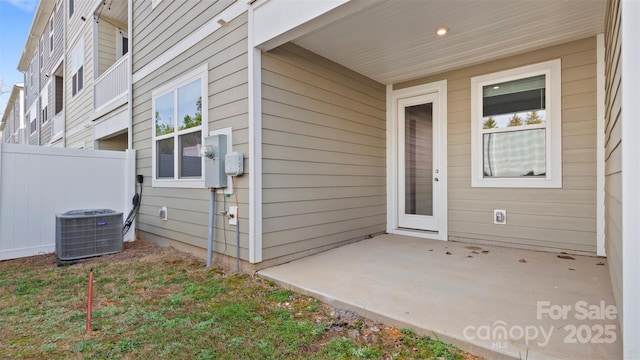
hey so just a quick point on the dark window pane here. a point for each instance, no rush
(514, 153)
(125, 46)
(514, 96)
(164, 158)
(190, 160)
(80, 78)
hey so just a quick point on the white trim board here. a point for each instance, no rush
(630, 90)
(392, 159)
(226, 16)
(600, 166)
(255, 147)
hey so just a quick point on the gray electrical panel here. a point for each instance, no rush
(213, 151)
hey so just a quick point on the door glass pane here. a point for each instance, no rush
(418, 154)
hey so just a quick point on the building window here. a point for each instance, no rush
(122, 43)
(180, 125)
(51, 35)
(41, 54)
(516, 127)
(77, 68)
(44, 104)
(32, 119)
(71, 8)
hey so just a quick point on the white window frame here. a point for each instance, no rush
(51, 32)
(33, 119)
(553, 125)
(44, 104)
(41, 54)
(120, 34)
(77, 63)
(201, 73)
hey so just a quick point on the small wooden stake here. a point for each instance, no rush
(90, 297)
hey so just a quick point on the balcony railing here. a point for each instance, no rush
(57, 126)
(112, 83)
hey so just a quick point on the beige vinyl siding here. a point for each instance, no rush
(31, 93)
(324, 174)
(547, 219)
(107, 45)
(179, 19)
(613, 149)
(45, 128)
(116, 143)
(225, 53)
(80, 107)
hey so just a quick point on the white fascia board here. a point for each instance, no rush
(279, 21)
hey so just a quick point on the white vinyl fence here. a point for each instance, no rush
(36, 183)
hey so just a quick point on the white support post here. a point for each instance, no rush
(630, 117)
(255, 147)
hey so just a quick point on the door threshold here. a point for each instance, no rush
(425, 234)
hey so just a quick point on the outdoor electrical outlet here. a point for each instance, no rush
(500, 217)
(163, 213)
(233, 215)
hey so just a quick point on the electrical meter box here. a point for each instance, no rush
(213, 151)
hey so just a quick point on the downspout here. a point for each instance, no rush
(64, 75)
(38, 102)
(130, 73)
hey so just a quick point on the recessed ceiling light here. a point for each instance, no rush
(442, 30)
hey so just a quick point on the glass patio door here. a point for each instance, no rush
(418, 173)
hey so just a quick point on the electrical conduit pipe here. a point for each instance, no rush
(212, 224)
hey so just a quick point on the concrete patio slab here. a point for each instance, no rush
(491, 301)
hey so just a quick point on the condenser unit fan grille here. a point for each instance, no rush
(87, 233)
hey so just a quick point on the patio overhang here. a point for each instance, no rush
(395, 41)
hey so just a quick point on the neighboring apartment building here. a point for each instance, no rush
(13, 126)
(76, 67)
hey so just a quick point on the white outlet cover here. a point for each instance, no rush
(499, 217)
(233, 215)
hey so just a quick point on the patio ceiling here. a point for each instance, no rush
(393, 41)
(113, 10)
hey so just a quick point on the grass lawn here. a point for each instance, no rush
(152, 302)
